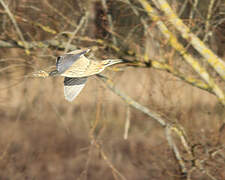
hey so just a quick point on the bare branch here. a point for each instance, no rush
(109, 17)
(217, 63)
(82, 21)
(180, 48)
(15, 25)
(133, 103)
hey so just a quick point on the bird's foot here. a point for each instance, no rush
(41, 73)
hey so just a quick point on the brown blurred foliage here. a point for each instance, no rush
(44, 137)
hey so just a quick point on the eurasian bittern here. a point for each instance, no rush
(76, 68)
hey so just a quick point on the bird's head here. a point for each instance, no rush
(54, 73)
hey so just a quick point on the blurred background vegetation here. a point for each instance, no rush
(42, 136)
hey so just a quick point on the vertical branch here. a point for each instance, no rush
(98, 146)
(104, 156)
(15, 25)
(109, 17)
(191, 16)
(208, 18)
(127, 123)
(184, 5)
(175, 150)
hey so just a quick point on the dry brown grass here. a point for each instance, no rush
(42, 136)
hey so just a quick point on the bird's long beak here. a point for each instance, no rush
(110, 62)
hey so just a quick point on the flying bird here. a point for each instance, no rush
(76, 68)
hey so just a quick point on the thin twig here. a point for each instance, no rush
(98, 146)
(193, 10)
(207, 23)
(82, 21)
(15, 25)
(184, 5)
(109, 17)
(57, 11)
(127, 123)
(104, 156)
(175, 150)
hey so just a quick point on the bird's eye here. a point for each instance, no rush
(107, 62)
(58, 58)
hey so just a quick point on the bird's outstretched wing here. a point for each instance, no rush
(65, 61)
(73, 86)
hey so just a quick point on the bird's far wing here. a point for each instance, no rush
(73, 86)
(65, 61)
(77, 51)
